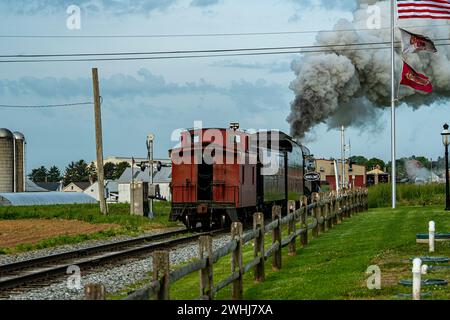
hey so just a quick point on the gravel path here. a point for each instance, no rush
(116, 278)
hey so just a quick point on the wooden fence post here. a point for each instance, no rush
(366, 200)
(316, 213)
(347, 203)
(161, 271)
(329, 221)
(344, 206)
(206, 274)
(361, 202)
(322, 212)
(258, 249)
(351, 201)
(338, 208)
(303, 217)
(333, 208)
(276, 237)
(236, 261)
(93, 291)
(291, 228)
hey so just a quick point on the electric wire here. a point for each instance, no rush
(46, 106)
(192, 35)
(331, 49)
(201, 51)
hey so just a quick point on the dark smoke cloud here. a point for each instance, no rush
(350, 87)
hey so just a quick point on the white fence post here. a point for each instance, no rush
(417, 270)
(431, 230)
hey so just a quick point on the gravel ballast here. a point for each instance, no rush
(11, 258)
(115, 278)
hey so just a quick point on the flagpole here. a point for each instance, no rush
(393, 146)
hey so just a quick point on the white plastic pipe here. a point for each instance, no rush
(417, 270)
(431, 230)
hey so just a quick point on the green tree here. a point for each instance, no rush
(77, 172)
(38, 174)
(359, 160)
(120, 168)
(372, 163)
(109, 170)
(54, 175)
(92, 169)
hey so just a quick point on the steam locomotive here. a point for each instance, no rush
(226, 175)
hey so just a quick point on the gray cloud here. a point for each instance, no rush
(132, 105)
(118, 7)
(275, 67)
(251, 96)
(328, 4)
(204, 3)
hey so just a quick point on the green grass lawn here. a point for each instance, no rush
(119, 214)
(333, 266)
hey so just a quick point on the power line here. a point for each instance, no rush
(331, 49)
(189, 51)
(199, 51)
(192, 35)
(46, 106)
(175, 57)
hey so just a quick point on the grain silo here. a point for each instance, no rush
(6, 160)
(19, 167)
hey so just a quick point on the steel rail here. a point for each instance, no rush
(54, 265)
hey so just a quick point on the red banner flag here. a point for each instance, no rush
(415, 80)
(413, 43)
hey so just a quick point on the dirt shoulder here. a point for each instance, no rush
(31, 231)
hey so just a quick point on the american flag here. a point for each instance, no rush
(423, 9)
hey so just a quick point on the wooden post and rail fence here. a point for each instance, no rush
(324, 212)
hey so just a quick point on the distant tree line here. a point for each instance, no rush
(77, 171)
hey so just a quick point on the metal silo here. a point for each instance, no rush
(19, 167)
(6, 160)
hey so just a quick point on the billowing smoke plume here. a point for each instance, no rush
(417, 173)
(348, 87)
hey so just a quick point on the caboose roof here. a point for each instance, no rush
(285, 143)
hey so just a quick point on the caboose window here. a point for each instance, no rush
(243, 174)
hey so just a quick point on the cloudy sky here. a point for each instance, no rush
(162, 95)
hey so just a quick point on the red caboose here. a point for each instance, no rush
(213, 177)
(223, 175)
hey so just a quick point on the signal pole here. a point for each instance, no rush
(149, 143)
(99, 143)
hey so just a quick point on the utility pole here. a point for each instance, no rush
(343, 157)
(149, 143)
(99, 142)
(393, 128)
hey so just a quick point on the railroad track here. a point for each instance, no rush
(40, 271)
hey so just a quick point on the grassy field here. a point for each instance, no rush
(333, 266)
(407, 194)
(118, 215)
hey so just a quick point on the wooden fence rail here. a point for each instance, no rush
(325, 211)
